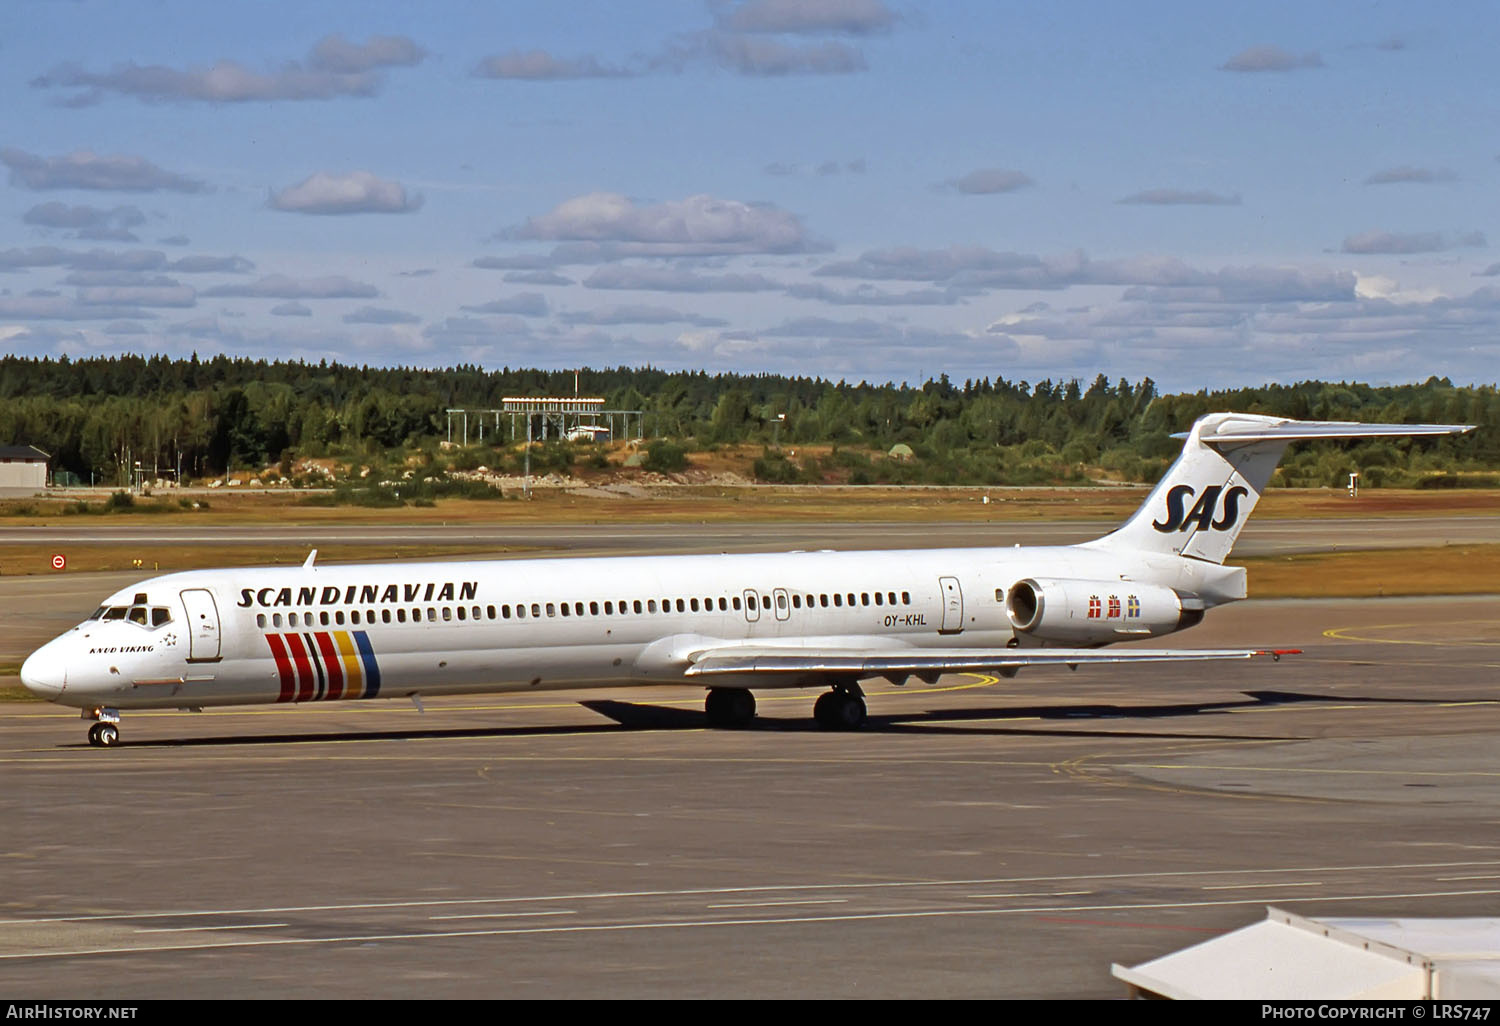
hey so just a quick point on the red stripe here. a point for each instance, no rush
(283, 667)
(332, 664)
(306, 678)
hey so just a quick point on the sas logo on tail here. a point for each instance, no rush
(1201, 515)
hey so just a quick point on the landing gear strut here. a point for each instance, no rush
(843, 708)
(730, 707)
(105, 733)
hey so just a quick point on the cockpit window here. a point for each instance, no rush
(115, 613)
(137, 614)
(98, 613)
(160, 615)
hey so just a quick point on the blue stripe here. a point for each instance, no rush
(372, 670)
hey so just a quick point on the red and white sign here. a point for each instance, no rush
(59, 562)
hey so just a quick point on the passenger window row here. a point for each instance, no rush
(537, 610)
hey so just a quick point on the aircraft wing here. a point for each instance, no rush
(736, 659)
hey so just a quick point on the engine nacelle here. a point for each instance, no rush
(1074, 612)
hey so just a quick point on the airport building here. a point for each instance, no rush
(23, 470)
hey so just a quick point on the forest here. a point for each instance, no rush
(96, 417)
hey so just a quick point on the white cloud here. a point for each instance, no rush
(671, 279)
(990, 180)
(334, 68)
(1181, 197)
(697, 225)
(83, 169)
(358, 192)
(539, 65)
(809, 17)
(1271, 58)
(280, 286)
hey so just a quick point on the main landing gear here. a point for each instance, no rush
(730, 707)
(105, 733)
(843, 708)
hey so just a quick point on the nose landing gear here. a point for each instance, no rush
(105, 733)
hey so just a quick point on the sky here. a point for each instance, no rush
(1207, 195)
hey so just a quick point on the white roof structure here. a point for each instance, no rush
(1289, 957)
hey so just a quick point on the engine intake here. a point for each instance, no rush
(1080, 612)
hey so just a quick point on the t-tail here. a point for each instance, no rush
(1198, 509)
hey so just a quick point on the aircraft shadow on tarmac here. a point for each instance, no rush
(647, 717)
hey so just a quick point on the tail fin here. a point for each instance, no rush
(1199, 507)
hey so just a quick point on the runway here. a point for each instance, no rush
(981, 838)
(1261, 536)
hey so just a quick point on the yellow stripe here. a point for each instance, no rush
(354, 675)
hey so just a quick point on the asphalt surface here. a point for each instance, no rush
(980, 838)
(1260, 537)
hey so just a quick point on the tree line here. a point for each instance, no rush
(98, 416)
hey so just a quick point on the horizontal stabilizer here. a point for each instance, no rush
(1233, 430)
(954, 660)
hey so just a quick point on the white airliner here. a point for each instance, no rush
(727, 623)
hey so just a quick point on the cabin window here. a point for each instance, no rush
(578, 608)
(324, 617)
(338, 618)
(609, 608)
(447, 613)
(593, 609)
(723, 606)
(823, 601)
(693, 605)
(781, 601)
(536, 609)
(651, 605)
(565, 610)
(735, 601)
(637, 605)
(431, 614)
(400, 616)
(505, 612)
(838, 599)
(796, 601)
(385, 616)
(864, 598)
(681, 606)
(551, 609)
(750, 602)
(906, 598)
(160, 615)
(878, 598)
(462, 613)
(891, 597)
(765, 601)
(354, 617)
(260, 620)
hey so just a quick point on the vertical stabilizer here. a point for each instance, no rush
(1198, 509)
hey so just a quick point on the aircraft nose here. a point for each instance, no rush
(43, 673)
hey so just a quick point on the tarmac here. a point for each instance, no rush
(980, 838)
